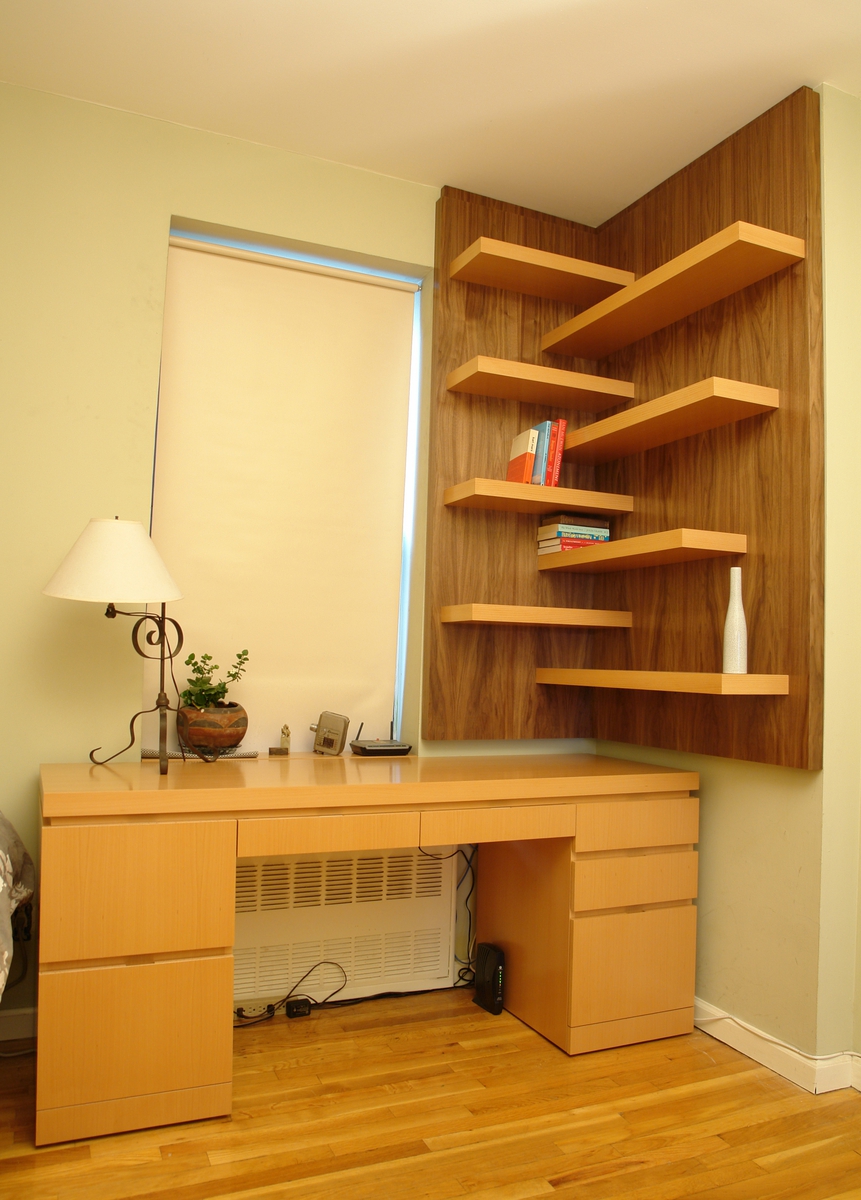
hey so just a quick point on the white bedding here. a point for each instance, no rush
(17, 881)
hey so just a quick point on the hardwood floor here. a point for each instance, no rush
(430, 1097)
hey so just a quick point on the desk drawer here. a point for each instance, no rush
(321, 835)
(630, 964)
(626, 824)
(634, 879)
(454, 826)
(112, 891)
(112, 1032)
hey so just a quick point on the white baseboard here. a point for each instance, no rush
(17, 1023)
(815, 1073)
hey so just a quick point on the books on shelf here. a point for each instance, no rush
(559, 544)
(556, 534)
(539, 467)
(536, 454)
(522, 457)
(599, 533)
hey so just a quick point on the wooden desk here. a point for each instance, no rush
(586, 878)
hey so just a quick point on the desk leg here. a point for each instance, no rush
(523, 901)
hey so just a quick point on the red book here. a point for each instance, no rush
(568, 544)
(551, 454)
(522, 457)
(560, 446)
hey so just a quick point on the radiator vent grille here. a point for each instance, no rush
(310, 883)
(384, 918)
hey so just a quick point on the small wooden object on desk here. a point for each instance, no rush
(284, 748)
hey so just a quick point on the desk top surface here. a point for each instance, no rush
(312, 782)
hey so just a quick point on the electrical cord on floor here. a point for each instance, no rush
(272, 1009)
(465, 975)
(466, 972)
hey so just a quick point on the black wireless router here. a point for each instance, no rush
(379, 747)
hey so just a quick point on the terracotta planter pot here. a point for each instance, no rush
(217, 727)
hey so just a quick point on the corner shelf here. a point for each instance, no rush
(531, 384)
(525, 614)
(733, 259)
(695, 409)
(668, 681)
(647, 550)
(500, 496)
(537, 272)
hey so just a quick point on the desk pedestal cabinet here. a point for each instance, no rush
(586, 878)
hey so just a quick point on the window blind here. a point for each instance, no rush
(278, 491)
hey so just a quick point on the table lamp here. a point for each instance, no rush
(116, 562)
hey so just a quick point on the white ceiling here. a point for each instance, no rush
(574, 107)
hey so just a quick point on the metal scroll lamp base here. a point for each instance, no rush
(116, 561)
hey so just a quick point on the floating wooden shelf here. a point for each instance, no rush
(668, 681)
(648, 550)
(705, 405)
(501, 496)
(731, 260)
(537, 272)
(530, 384)
(525, 614)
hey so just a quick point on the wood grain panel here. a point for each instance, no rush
(498, 495)
(115, 890)
(734, 258)
(522, 906)
(629, 879)
(522, 614)
(109, 1033)
(601, 1035)
(695, 683)
(649, 550)
(632, 964)
(445, 828)
(626, 824)
(530, 384)
(499, 264)
(764, 477)
(319, 835)
(132, 1112)
(691, 410)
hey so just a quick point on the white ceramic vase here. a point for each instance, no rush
(735, 629)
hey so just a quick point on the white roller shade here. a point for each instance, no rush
(279, 483)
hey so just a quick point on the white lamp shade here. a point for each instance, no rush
(113, 562)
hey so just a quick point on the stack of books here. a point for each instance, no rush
(568, 531)
(536, 454)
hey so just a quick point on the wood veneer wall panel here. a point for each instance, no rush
(762, 477)
(476, 679)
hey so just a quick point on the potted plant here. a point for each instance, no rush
(205, 720)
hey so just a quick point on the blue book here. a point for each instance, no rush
(539, 467)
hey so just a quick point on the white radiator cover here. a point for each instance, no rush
(387, 916)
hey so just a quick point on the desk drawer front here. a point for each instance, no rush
(323, 835)
(110, 1032)
(634, 879)
(631, 964)
(498, 824)
(111, 891)
(626, 824)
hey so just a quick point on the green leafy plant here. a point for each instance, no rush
(201, 691)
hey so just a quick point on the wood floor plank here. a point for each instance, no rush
(430, 1098)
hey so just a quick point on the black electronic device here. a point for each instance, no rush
(379, 747)
(489, 977)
